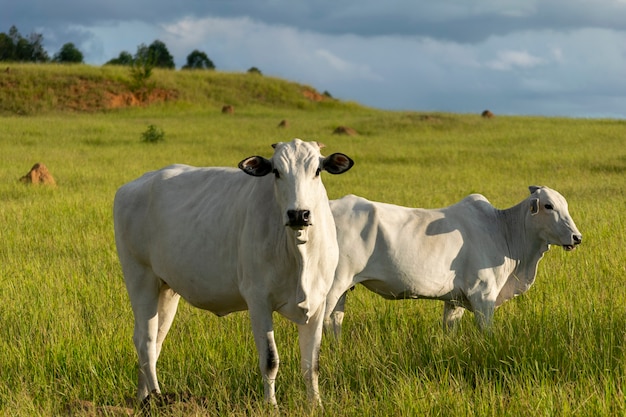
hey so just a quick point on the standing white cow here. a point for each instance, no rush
(227, 242)
(470, 255)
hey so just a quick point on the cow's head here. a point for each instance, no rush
(549, 212)
(296, 166)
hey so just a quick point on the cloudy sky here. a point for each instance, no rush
(519, 57)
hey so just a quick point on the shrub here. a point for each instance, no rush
(153, 134)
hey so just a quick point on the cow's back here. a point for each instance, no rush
(401, 252)
(474, 216)
(381, 246)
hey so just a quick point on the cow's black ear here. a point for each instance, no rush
(534, 206)
(533, 188)
(256, 166)
(337, 163)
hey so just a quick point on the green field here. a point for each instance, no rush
(65, 319)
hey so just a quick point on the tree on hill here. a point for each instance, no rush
(15, 47)
(198, 60)
(34, 49)
(141, 71)
(68, 54)
(7, 48)
(156, 55)
(124, 58)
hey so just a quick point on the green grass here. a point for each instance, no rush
(66, 323)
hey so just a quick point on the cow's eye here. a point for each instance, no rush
(317, 173)
(276, 174)
(549, 207)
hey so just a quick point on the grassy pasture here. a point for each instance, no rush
(66, 323)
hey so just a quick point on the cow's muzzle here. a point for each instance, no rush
(577, 239)
(298, 219)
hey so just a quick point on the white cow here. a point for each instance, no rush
(470, 255)
(226, 242)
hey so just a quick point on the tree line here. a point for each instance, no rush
(16, 48)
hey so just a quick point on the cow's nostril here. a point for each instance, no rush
(299, 218)
(578, 239)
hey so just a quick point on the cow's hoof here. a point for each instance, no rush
(154, 400)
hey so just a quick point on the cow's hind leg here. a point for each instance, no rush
(310, 339)
(451, 315)
(144, 291)
(168, 304)
(263, 330)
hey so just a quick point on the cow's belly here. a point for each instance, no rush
(218, 296)
(398, 287)
(401, 273)
(221, 291)
(219, 301)
(205, 285)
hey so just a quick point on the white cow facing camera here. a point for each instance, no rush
(225, 242)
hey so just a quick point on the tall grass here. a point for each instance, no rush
(66, 323)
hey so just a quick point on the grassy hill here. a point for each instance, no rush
(27, 89)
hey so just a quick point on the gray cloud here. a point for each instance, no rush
(458, 21)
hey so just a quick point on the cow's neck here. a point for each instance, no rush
(304, 279)
(302, 247)
(524, 249)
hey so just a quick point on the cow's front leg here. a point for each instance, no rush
(482, 299)
(452, 313)
(310, 339)
(334, 320)
(483, 313)
(263, 330)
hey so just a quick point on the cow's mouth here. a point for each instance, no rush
(577, 240)
(302, 236)
(296, 227)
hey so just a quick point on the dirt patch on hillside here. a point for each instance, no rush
(94, 96)
(313, 95)
(53, 92)
(129, 99)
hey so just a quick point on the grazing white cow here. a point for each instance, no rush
(470, 255)
(226, 242)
